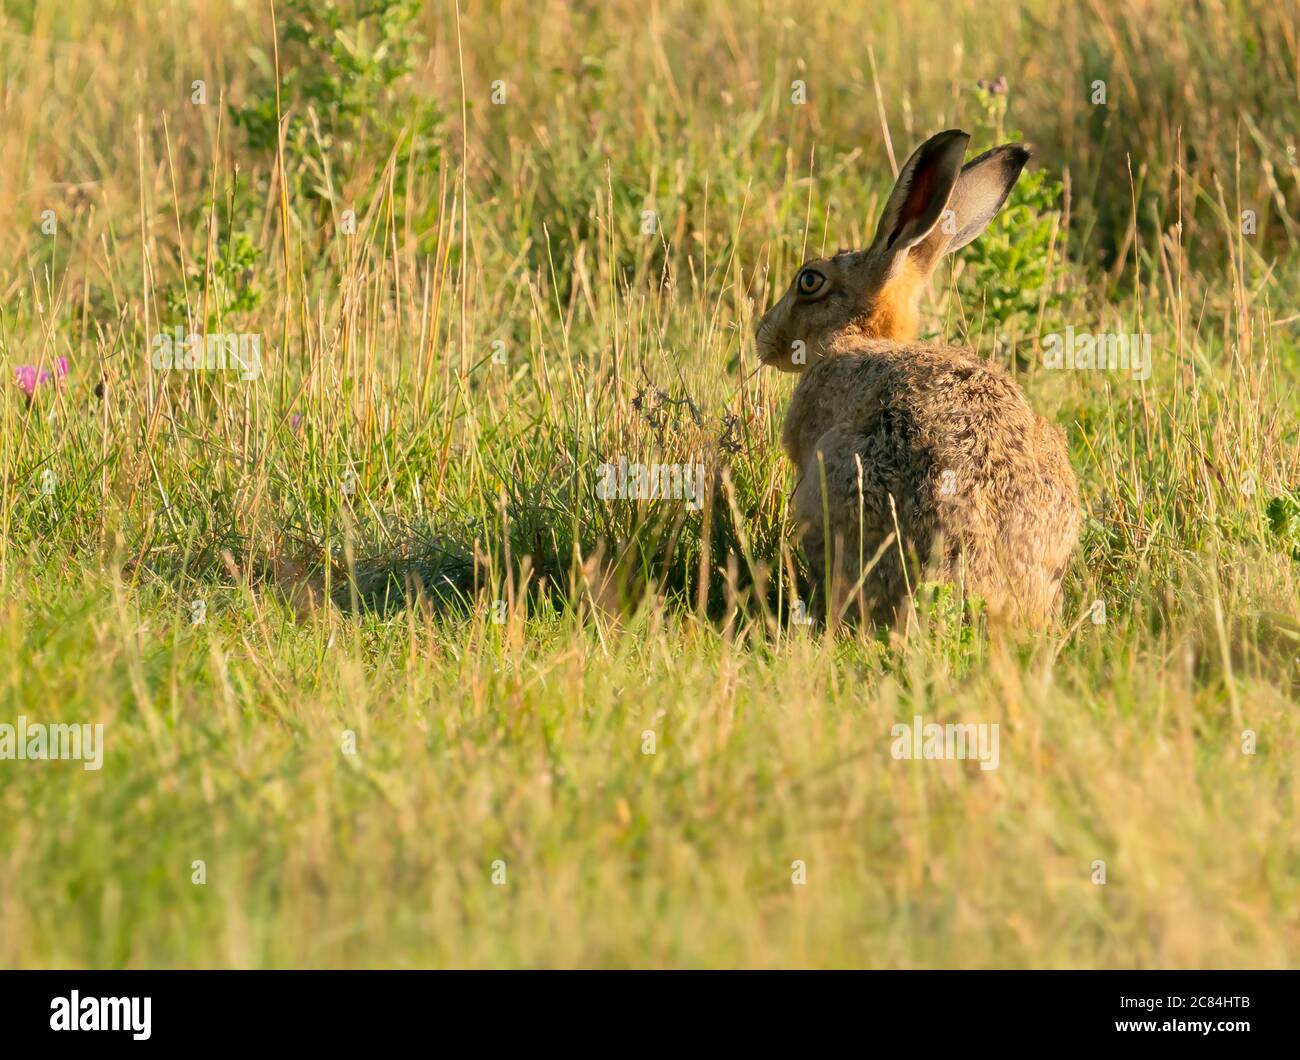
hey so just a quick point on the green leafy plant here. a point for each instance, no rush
(1284, 520)
(340, 66)
(233, 286)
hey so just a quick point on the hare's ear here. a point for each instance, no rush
(982, 188)
(921, 195)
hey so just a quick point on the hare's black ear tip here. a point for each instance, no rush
(1010, 159)
(1019, 154)
(946, 139)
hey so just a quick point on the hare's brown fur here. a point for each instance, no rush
(887, 421)
(913, 459)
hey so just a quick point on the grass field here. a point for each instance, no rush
(385, 681)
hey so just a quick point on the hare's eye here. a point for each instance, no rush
(810, 281)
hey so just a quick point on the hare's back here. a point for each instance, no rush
(969, 415)
(942, 399)
(940, 431)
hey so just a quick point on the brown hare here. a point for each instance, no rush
(917, 459)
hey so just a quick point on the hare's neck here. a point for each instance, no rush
(886, 321)
(892, 316)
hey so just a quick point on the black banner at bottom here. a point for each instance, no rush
(91, 1009)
